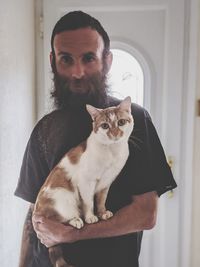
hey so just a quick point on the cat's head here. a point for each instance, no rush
(113, 124)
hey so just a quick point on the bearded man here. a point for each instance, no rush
(81, 58)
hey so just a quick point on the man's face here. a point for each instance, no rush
(79, 57)
(80, 69)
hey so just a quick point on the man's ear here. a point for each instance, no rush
(51, 57)
(109, 59)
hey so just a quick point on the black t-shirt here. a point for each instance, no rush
(146, 170)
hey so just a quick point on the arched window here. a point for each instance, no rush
(126, 77)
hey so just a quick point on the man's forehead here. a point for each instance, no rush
(80, 39)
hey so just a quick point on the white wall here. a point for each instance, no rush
(17, 109)
(195, 257)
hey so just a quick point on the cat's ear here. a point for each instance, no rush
(126, 104)
(92, 111)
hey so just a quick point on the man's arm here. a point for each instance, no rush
(26, 243)
(137, 216)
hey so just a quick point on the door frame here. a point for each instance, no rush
(188, 130)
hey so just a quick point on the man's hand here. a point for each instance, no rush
(52, 233)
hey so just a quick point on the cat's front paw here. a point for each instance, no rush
(105, 215)
(77, 223)
(91, 219)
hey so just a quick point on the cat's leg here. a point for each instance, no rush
(66, 204)
(76, 222)
(75, 219)
(87, 195)
(100, 198)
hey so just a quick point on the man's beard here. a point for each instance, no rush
(76, 93)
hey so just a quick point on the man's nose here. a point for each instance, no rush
(78, 70)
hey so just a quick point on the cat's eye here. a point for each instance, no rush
(121, 122)
(105, 125)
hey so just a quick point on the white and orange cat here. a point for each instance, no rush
(84, 175)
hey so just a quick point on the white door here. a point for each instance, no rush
(153, 32)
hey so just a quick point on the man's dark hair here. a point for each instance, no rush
(77, 20)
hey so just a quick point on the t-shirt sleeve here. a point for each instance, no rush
(147, 167)
(34, 169)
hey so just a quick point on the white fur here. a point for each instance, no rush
(65, 202)
(99, 162)
(68, 167)
(112, 117)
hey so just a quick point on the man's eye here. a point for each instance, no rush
(88, 58)
(105, 125)
(67, 60)
(121, 122)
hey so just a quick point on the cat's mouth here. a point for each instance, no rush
(116, 139)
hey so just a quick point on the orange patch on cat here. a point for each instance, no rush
(75, 153)
(58, 178)
(116, 132)
(104, 117)
(99, 195)
(45, 207)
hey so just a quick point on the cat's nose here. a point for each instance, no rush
(116, 132)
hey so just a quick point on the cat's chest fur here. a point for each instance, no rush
(98, 164)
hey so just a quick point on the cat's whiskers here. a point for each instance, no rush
(133, 139)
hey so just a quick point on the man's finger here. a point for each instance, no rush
(39, 236)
